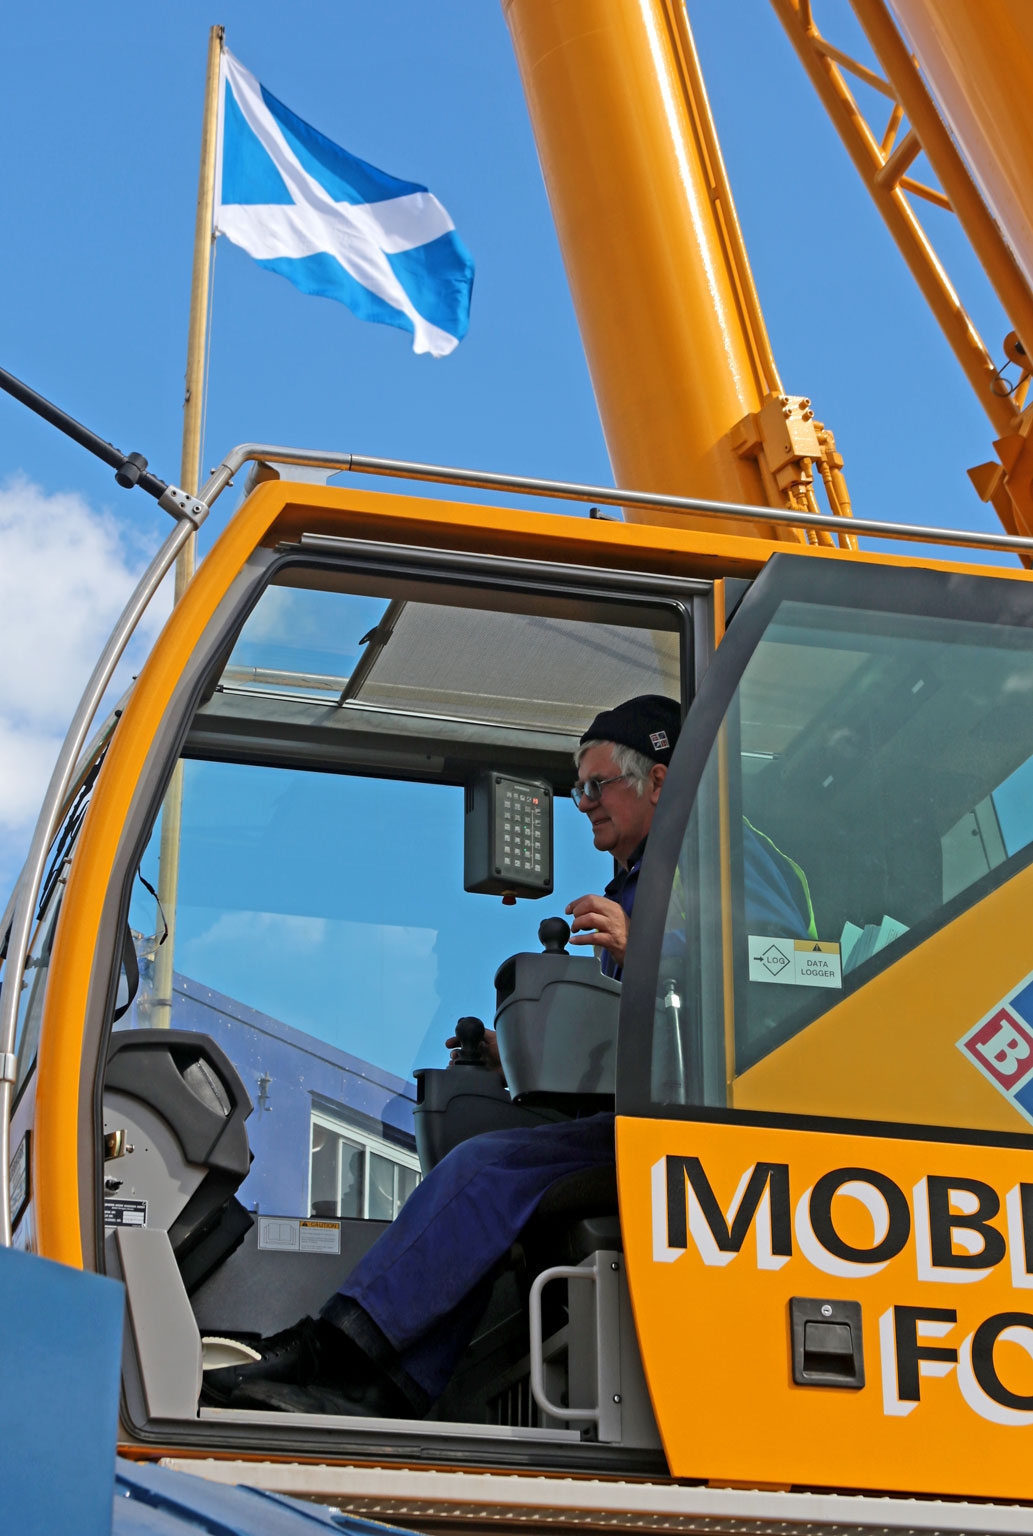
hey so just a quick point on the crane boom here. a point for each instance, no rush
(977, 56)
(686, 384)
(945, 103)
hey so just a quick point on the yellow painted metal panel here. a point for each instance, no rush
(978, 58)
(888, 1051)
(885, 1223)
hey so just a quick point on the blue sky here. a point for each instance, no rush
(100, 181)
(102, 118)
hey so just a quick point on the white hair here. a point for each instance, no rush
(632, 765)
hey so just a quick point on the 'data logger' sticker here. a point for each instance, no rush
(794, 962)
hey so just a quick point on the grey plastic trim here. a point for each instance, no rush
(259, 1418)
(165, 1335)
(515, 573)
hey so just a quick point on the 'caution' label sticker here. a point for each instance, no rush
(293, 1234)
(795, 962)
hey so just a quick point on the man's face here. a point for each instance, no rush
(621, 817)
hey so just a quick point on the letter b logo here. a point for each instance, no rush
(1003, 1048)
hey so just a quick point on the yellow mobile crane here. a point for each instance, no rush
(809, 1307)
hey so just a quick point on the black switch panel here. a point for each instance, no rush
(825, 1337)
(507, 836)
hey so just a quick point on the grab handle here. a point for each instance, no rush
(554, 1410)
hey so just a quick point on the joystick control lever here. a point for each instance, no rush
(470, 1034)
(553, 934)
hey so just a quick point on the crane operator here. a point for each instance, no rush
(386, 1343)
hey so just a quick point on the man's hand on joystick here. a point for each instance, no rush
(474, 1046)
(599, 921)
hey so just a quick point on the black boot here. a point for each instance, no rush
(310, 1352)
(374, 1398)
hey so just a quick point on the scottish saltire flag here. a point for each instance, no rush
(335, 226)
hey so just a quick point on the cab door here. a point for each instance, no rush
(303, 737)
(826, 1058)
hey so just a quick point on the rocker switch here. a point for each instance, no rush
(825, 1338)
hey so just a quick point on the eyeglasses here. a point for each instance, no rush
(591, 789)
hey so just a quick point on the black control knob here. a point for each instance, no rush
(470, 1034)
(553, 934)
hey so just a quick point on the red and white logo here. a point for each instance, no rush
(1002, 1047)
(659, 740)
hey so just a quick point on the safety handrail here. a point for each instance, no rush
(536, 1359)
(603, 495)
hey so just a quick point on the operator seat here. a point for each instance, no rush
(176, 1148)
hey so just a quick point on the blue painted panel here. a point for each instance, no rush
(155, 1501)
(61, 1360)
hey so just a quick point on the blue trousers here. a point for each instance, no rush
(418, 1284)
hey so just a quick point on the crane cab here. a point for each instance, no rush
(335, 807)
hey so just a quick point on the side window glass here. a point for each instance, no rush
(873, 776)
(34, 982)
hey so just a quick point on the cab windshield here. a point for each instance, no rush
(309, 854)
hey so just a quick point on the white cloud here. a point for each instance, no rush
(369, 988)
(26, 762)
(275, 618)
(287, 933)
(66, 570)
(327, 624)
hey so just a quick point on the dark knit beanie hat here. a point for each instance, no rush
(649, 723)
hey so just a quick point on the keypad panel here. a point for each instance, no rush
(522, 830)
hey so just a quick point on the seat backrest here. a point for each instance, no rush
(182, 1105)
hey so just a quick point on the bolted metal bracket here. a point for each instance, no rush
(783, 435)
(181, 504)
(129, 472)
(116, 1145)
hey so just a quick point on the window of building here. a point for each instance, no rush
(354, 1173)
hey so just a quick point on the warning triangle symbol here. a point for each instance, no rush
(817, 949)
